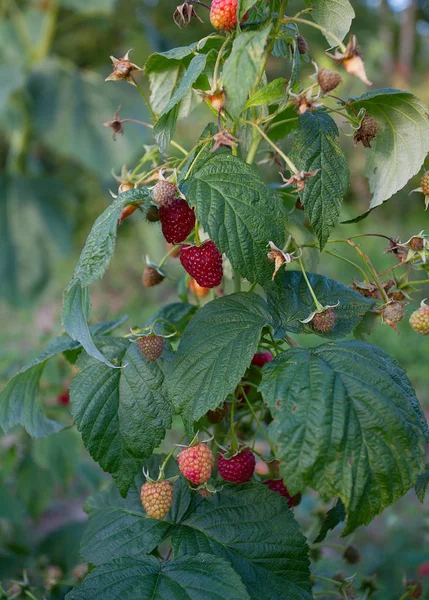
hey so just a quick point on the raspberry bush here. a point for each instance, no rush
(264, 418)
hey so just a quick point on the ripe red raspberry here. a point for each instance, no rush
(151, 276)
(218, 415)
(419, 320)
(203, 263)
(261, 358)
(423, 569)
(164, 192)
(223, 14)
(177, 220)
(277, 485)
(196, 463)
(392, 313)
(151, 346)
(64, 398)
(239, 468)
(156, 498)
(324, 321)
(328, 80)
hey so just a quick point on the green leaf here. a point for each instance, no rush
(290, 303)
(101, 7)
(283, 124)
(239, 212)
(12, 78)
(199, 155)
(146, 578)
(243, 7)
(122, 413)
(176, 313)
(19, 403)
(402, 141)
(34, 487)
(335, 15)
(267, 94)
(334, 517)
(166, 124)
(422, 484)
(346, 423)
(216, 348)
(59, 454)
(316, 147)
(70, 105)
(252, 528)
(119, 527)
(242, 68)
(100, 244)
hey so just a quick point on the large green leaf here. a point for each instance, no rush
(69, 107)
(239, 212)
(316, 148)
(335, 15)
(59, 454)
(121, 413)
(268, 93)
(19, 403)
(402, 141)
(290, 303)
(346, 423)
(146, 578)
(166, 124)
(252, 528)
(216, 348)
(242, 68)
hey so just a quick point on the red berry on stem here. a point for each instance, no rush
(203, 263)
(196, 463)
(177, 220)
(277, 485)
(223, 14)
(261, 358)
(237, 469)
(64, 398)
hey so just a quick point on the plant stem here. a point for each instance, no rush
(317, 26)
(313, 295)
(273, 145)
(164, 258)
(259, 424)
(252, 287)
(170, 454)
(406, 595)
(414, 283)
(49, 33)
(197, 233)
(145, 98)
(217, 64)
(336, 583)
(290, 342)
(234, 443)
(350, 262)
(366, 260)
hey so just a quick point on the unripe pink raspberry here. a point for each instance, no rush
(196, 463)
(223, 14)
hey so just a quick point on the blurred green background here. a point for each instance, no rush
(56, 163)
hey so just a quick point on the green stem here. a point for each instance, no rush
(313, 295)
(273, 145)
(49, 33)
(145, 98)
(406, 595)
(234, 443)
(165, 258)
(252, 287)
(290, 342)
(197, 233)
(169, 455)
(371, 269)
(325, 31)
(336, 583)
(350, 262)
(421, 282)
(217, 64)
(259, 424)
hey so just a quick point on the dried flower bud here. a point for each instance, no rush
(123, 69)
(367, 131)
(299, 178)
(351, 59)
(279, 258)
(184, 13)
(302, 45)
(328, 80)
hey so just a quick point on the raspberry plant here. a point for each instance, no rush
(339, 417)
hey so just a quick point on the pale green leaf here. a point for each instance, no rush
(121, 413)
(316, 148)
(216, 348)
(189, 578)
(335, 15)
(239, 212)
(346, 423)
(267, 94)
(402, 141)
(242, 68)
(243, 7)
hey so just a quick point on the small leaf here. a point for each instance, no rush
(146, 578)
(59, 453)
(19, 404)
(422, 484)
(252, 528)
(316, 147)
(333, 517)
(346, 423)
(199, 155)
(239, 212)
(216, 348)
(335, 15)
(290, 303)
(242, 68)
(121, 413)
(165, 127)
(244, 6)
(402, 141)
(267, 94)
(177, 314)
